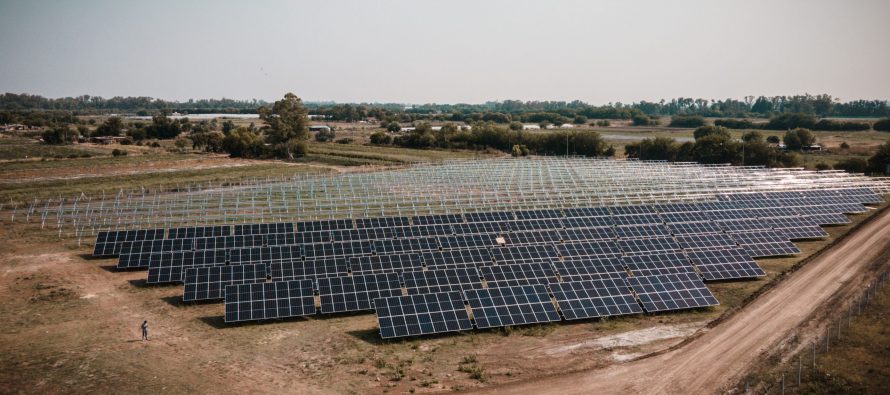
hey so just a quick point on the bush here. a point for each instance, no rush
(346, 140)
(735, 123)
(126, 141)
(380, 138)
(798, 138)
(752, 136)
(242, 142)
(842, 126)
(642, 120)
(844, 145)
(325, 135)
(773, 139)
(881, 160)
(706, 131)
(821, 166)
(687, 121)
(852, 165)
(117, 152)
(603, 122)
(882, 125)
(791, 121)
(58, 135)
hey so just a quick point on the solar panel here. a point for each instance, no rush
(308, 270)
(324, 225)
(660, 263)
(589, 268)
(254, 302)
(399, 246)
(209, 282)
(315, 237)
(442, 280)
(640, 219)
(108, 243)
(743, 225)
(677, 208)
(589, 248)
(428, 230)
(489, 217)
(355, 293)
(647, 246)
(538, 214)
(641, 231)
(631, 210)
(339, 249)
(706, 241)
(393, 263)
(199, 231)
(480, 227)
(587, 212)
(729, 215)
(803, 233)
(382, 222)
(594, 298)
(438, 259)
(569, 235)
(527, 304)
(467, 241)
(698, 216)
(240, 256)
(587, 222)
(539, 272)
(534, 224)
(765, 243)
(790, 222)
(694, 228)
(413, 315)
(440, 219)
(136, 254)
(724, 264)
(830, 219)
(169, 267)
(366, 234)
(663, 292)
(522, 253)
(533, 237)
(264, 229)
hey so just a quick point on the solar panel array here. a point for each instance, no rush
(449, 272)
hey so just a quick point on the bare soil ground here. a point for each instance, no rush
(714, 360)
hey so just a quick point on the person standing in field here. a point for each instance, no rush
(144, 327)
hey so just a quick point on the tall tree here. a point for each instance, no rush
(287, 120)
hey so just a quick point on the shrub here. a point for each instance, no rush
(791, 121)
(380, 138)
(843, 126)
(346, 140)
(706, 131)
(752, 136)
(882, 125)
(822, 166)
(126, 141)
(117, 152)
(687, 121)
(735, 123)
(773, 139)
(844, 145)
(798, 138)
(325, 135)
(852, 165)
(642, 120)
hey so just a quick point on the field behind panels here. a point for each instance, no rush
(450, 247)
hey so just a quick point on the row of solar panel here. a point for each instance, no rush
(439, 312)
(716, 264)
(763, 243)
(137, 254)
(840, 201)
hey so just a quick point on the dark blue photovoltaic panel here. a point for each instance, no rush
(696, 216)
(254, 302)
(199, 231)
(413, 315)
(725, 264)
(587, 222)
(264, 229)
(571, 235)
(589, 248)
(355, 293)
(589, 268)
(438, 259)
(309, 270)
(400, 246)
(694, 228)
(440, 219)
(489, 217)
(641, 231)
(324, 225)
(677, 291)
(381, 222)
(442, 280)
(467, 241)
(594, 298)
(707, 241)
(480, 227)
(522, 253)
(535, 224)
(587, 212)
(209, 282)
(631, 210)
(640, 219)
(659, 263)
(495, 307)
(647, 246)
(533, 237)
(765, 243)
(525, 273)
(539, 214)
(393, 263)
(169, 267)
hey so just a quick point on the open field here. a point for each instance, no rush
(73, 321)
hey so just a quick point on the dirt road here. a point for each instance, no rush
(716, 359)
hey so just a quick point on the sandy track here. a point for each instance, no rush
(717, 358)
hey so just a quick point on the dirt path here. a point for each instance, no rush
(720, 356)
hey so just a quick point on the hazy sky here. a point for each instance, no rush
(446, 51)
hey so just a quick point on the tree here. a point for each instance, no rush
(163, 128)
(882, 125)
(111, 127)
(799, 138)
(773, 139)
(242, 142)
(791, 121)
(852, 165)
(380, 138)
(516, 151)
(881, 160)
(181, 143)
(393, 127)
(324, 135)
(208, 141)
(58, 135)
(641, 120)
(705, 131)
(287, 120)
(716, 149)
(752, 136)
(227, 126)
(515, 126)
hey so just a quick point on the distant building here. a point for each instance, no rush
(566, 126)
(531, 126)
(319, 128)
(107, 139)
(407, 129)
